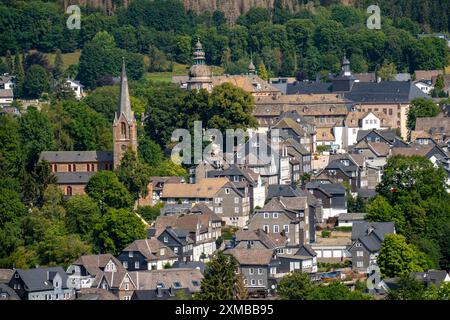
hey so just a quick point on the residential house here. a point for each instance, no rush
(157, 186)
(258, 239)
(345, 168)
(332, 195)
(432, 277)
(432, 130)
(424, 85)
(347, 136)
(147, 254)
(86, 271)
(219, 194)
(6, 90)
(257, 266)
(303, 260)
(161, 294)
(124, 286)
(242, 178)
(289, 217)
(41, 284)
(367, 238)
(191, 236)
(6, 293)
(77, 88)
(384, 136)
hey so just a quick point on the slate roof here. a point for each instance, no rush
(96, 263)
(253, 256)
(384, 92)
(94, 294)
(149, 248)
(159, 294)
(186, 277)
(39, 279)
(256, 235)
(73, 177)
(281, 190)
(435, 277)
(388, 134)
(305, 87)
(329, 188)
(371, 234)
(76, 156)
(10, 293)
(190, 265)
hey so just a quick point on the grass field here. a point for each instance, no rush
(68, 58)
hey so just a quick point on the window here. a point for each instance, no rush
(360, 253)
(219, 210)
(195, 283)
(236, 200)
(127, 286)
(276, 229)
(359, 264)
(175, 250)
(130, 254)
(286, 228)
(160, 285)
(227, 190)
(125, 264)
(245, 281)
(136, 264)
(266, 215)
(123, 130)
(162, 252)
(16, 276)
(68, 191)
(260, 282)
(166, 239)
(253, 282)
(275, 215)
(266, 228)
(236, 209)
(218, 200)
(251, 271)
(260, 271)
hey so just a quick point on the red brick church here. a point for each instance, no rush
(74, 168)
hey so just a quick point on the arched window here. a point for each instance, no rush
(69, 191)
(123, 130)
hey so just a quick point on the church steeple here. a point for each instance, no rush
(124, 126)
(251, 67)
(124, 104)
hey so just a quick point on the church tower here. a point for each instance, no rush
(199, 73)
(124, 126)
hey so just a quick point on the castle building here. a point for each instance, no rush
(73, 169)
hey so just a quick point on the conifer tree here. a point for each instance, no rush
(20, 76)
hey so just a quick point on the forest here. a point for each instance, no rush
(309, 41)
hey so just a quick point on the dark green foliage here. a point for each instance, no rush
(150, 213)
(421, 107)
(105, 188)
(117, 229)
(220, 278)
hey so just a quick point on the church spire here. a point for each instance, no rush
(124, 103)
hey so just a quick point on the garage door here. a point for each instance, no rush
(327, 253)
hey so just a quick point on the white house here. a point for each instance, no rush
(6, 82)
(424, 85)
(6, 97)
(76, 87)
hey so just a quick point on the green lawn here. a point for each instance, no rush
(68, 58)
